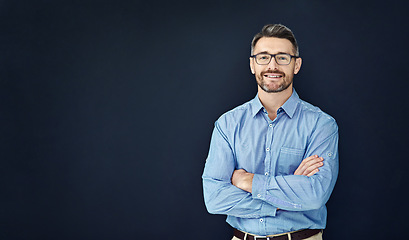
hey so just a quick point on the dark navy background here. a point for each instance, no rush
(107, 108)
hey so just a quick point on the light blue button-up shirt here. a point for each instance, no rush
(246, 138)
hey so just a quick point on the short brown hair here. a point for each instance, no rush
(278, 31)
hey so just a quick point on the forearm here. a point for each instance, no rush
(308, 167)
(292, 193)
(221, 197)
(302, 193)
(295, 192)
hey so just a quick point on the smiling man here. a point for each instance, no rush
(273, 161)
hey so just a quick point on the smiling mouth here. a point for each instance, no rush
(272, 76)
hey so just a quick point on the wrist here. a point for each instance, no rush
(242, 180)
(248, 182)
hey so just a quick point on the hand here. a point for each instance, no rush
(309, 166)
(242, 179)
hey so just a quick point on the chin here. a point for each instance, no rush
(274, 90)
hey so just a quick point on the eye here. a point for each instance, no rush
(282, 57)
(263, 57)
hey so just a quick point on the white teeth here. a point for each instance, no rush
(272, 76)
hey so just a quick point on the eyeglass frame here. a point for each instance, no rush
(274, 56)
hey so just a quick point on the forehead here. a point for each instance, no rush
(273, 45)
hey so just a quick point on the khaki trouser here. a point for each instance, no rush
(315, 237)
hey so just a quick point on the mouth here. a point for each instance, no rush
(273, 75)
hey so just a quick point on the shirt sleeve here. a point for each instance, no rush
(302, 193)
(221, 196)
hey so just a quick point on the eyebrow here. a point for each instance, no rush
(265, 52)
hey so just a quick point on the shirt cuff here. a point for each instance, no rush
(259, 191)
(259, 186)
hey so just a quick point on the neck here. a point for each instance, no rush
(273, 101)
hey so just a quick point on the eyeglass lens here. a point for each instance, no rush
(281, 59)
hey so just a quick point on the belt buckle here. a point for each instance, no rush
(255, 237)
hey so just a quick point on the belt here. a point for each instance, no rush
(302, 234)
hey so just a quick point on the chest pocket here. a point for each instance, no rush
(288, 160)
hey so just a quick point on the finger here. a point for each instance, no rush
(312, 168)
(301, 168)
(313, 172)
(307, 163)
(310, 158)
(311, 165)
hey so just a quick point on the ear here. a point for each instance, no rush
(252, 65)
(298, 62)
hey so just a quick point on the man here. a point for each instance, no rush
(273, 161)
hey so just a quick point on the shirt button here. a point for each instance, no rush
(270, 125)
(267, 149)
(266, 173)
(261, 220)
(259, 195)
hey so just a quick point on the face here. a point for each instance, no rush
(274, 78)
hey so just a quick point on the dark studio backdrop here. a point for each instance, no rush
(107, 108)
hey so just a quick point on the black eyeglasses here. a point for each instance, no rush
(280, 58)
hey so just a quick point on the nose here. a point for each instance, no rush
(273, 64)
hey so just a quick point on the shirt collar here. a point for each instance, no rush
(289, 106)
(256, 105)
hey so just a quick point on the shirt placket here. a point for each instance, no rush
(267, 160)
(268, 163)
